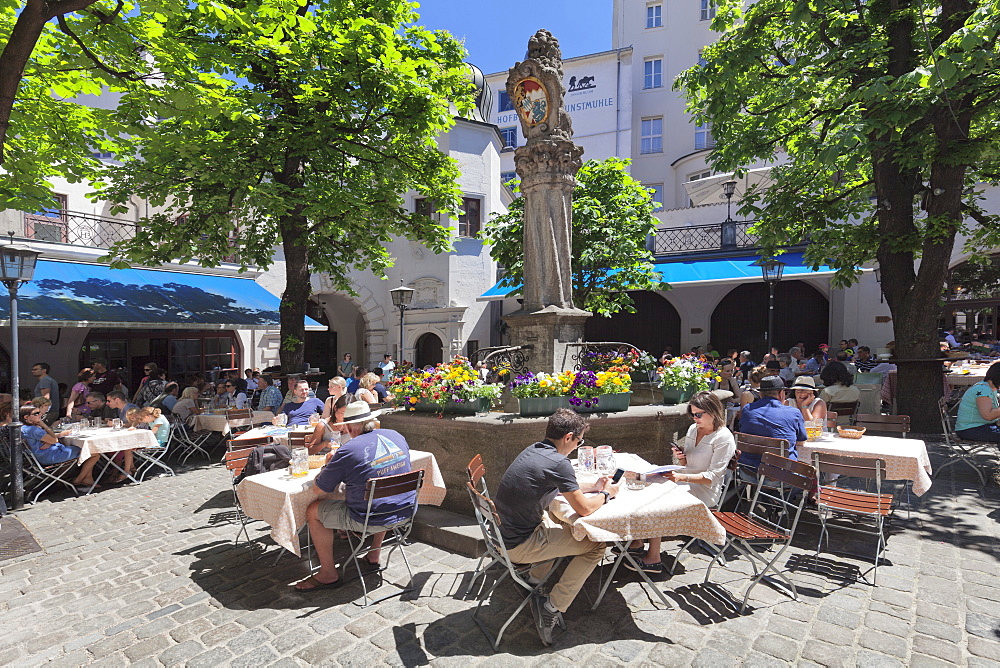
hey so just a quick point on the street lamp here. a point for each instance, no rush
(729, 226)
(401, 298)
(771, 270)
(17, 265)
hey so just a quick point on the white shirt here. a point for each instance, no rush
(951, 340)
(710, 457)
(387, 369)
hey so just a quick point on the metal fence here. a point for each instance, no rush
(704, 238)
(79, 229)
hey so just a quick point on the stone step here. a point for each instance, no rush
(449, 531)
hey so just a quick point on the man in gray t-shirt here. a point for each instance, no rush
(47, 387)
(541, 471)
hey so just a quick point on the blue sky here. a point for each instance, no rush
(496, 33)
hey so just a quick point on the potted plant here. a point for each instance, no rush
(450, 387)
(603, 391)
(681, 377)
(541, 393)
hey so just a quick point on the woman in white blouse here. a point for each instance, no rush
(708, 448)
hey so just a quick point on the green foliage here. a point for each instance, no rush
(612, 218)
(856, 103)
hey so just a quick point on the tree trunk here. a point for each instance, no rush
(296, 294)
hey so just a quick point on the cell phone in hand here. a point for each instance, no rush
(617, 476)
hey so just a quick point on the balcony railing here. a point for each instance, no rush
(734, 235)
(79, 229)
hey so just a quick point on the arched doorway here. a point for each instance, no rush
(430, 350)
(654, 325)
(801, 313)
(345, 334)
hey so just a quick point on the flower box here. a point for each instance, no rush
(606, 403)
(544, 406)
(481, 405)
(678, 395)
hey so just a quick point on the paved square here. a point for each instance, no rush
(148, 575)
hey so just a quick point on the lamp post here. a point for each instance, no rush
(17, 265)
(401, 298)
(729, 225)
(771, 270)
(878, 279)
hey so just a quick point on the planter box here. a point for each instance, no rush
(453, 407)
(608, 403)
(534, 406)
(677, 395)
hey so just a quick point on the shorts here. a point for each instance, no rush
(334, 514)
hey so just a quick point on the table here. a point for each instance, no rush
(277, 434)
(104, 440)
(206, 422)
(905, 458)
(661, 509)
(889, 388)
(966, 376)
(280, 500)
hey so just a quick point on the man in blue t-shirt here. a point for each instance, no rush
(370, 453)
(769, 416)
(302, 405)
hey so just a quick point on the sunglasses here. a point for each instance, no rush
(35, 413)
(697, 416)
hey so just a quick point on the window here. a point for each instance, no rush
(652, 73)
(702, 61)
(49, 224)
(198, 354)
(507, 177)
(697, 176)
(509, 136)
(471, 347)
(654, 16)
(652, 135)
(703, 136)
(470, 221)
(657, 194)
(707, 10)
(425, 207)
(505, 102)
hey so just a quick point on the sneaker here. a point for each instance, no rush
(650, 569)
(545, 621)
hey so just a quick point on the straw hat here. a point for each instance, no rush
(805, 383)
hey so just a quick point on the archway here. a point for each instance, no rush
(346, 333)
(654, 325)
(801, 313)
(430, 350)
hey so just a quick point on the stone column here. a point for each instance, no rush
(547, 165)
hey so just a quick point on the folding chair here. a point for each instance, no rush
(235, 444)
(747, 531)
(396, 535)
(235, 459)
(47, 475)
(730, 479)
(239, 420)
(836, 502)
(477, 478)
(892, 425)
(960, 450)
(189, 442)
(147, 458)
(831, 420)
(489, 524)
(746, 476)
(844, 409)
(297, 439)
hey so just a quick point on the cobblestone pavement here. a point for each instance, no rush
(148, 575)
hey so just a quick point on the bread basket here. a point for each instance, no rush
(851, 432)
(317, 461)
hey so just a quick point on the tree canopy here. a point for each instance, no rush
(612, 219)
(880, 120)
(333, 117)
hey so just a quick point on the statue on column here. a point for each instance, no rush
(547, 165)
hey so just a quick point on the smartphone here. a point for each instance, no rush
(617, 476)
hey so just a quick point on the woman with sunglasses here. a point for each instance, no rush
(45, 446)
(708, 448)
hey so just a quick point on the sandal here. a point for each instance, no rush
(316, 584)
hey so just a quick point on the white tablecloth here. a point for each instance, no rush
(206, 422)
(280, 500)
(905, 458)
(960, 379)
(661, 509)
(105, 439)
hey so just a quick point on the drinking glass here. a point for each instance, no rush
(116, 423)
(605, 460)
(281, 419)
(314, 419)
(299, 464)
(585, 457)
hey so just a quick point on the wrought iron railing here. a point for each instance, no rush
(504, 362)
(704, 238)
(79, 229)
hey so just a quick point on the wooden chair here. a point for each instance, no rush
(836, 502)
(746, 532)
(297, 439)
(831, 421)
(746, 474)
(237, 444)
(235, 460)
(892, 425)
(844, 409)
(239, 420)
(476, 471)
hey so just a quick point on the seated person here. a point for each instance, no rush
(119, 402)
(979, 409)
(355, 382)
(330, 431)
(365, 391)
(237, 398)
(708, 448)
(379, 387)
(301, 405)
(337, 387)
(222, 398)
(840, 386)
(370, 453)
(865, 362)
(769, 416)
(537, 474)
(187, 406)
(805, 399)
(270, 398)
(816, 363)
(167, 399)
(46, 448)
(156, 422)
(99, 408)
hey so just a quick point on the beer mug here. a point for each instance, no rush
(116, 423)
(606, 460)
(299, 464)
(585, 458)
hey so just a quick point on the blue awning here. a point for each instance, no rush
(702, 272)
(72, 294)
